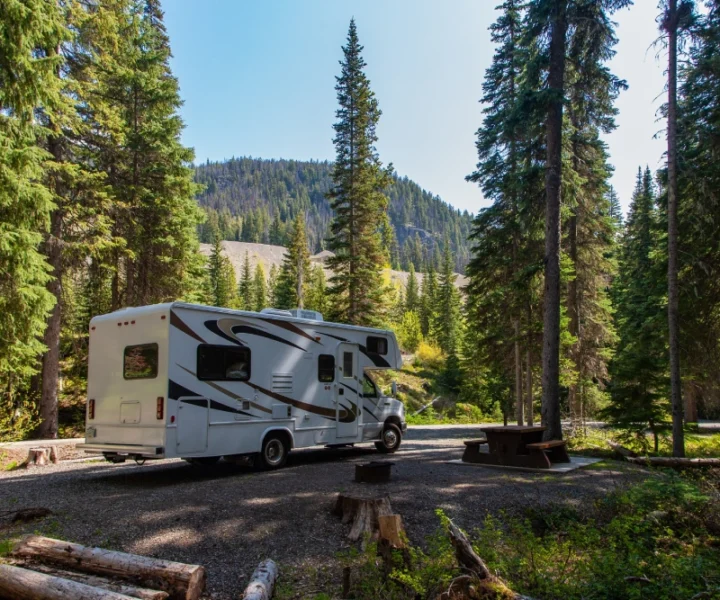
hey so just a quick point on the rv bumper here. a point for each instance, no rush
(123, 449)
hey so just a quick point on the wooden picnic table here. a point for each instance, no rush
(516, 446)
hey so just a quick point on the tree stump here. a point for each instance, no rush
(363, 513)
(42, 456)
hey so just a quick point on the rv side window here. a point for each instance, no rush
(377, 345)
(368, 388)
(140, 362)
(347, 365)
(218, 363)
(326, 368)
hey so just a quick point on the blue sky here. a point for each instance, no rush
(258, 80)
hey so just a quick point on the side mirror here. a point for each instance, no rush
(393, 389)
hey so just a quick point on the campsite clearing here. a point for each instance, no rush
(229, 518)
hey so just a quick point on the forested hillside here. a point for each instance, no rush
(255, 200)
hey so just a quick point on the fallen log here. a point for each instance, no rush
(98, 582)
(622, 450)
(22, 584)
(363, 513)
(675, 463)
(489, 585)
(262, 581)
(180, 581)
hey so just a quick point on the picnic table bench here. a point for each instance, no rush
(516, 446)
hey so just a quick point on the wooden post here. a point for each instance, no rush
(262, 581)
(181, 581)
(23, 584)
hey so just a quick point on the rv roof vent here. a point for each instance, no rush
(276, 311)
(310, 315)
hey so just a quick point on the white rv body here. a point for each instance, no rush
(189, 381)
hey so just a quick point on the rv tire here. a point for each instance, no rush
(202, 461)
(389, 439)
(274, 452)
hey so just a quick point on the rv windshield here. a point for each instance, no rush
(369, 388)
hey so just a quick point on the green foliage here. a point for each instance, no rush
(295, 276)
(409, 332)
(221, 278)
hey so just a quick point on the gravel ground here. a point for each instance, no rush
(228, 518)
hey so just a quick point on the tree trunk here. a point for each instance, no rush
(23, 584)
(574, 314)
(675, 462)
(518, 375)
(262, 581)
(551, 319)
(671, 21)
(181, 581)
(529, 409)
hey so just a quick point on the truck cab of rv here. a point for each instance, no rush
(201, 383)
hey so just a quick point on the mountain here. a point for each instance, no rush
(254, 200)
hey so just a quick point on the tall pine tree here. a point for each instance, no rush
(295, 274)
(357, 198)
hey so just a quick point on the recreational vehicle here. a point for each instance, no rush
(200, 383)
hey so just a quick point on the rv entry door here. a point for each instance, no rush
(347, 385)
(192, 425)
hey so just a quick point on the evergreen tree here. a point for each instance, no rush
(294, 278)
(639, 368)
(412, 299)
(409, 332)
(317, 298)
(427, 301)
(272, 285)
(259, 289)
(147, 167)
(357, 197)
(221, 277)
(32, 30)
(245, 290)
(446, 321)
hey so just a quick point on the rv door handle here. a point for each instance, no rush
(341, 392)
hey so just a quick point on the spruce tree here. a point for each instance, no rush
(639, 370)
(147, 167)
(412, 299)
(446, 317)
(294, 277)
(245, 289)
(30, 80)
(260, 299)
(272, 285)
(317, 298)
(357, 197)
(427, 301)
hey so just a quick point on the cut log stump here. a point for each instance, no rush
(42, 456)
(262, 581)
(390, 528)
(23, 584)
(363, 513)
(180, 581)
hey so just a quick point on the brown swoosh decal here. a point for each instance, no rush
(182, 326)
(233, 395)
(329, 413)
(293, 328)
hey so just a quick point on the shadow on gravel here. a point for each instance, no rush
(161, 475)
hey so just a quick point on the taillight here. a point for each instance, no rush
(91, 409)
(160, 412)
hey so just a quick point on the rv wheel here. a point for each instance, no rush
(274, 452)
(390, 439)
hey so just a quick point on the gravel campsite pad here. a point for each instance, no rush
(229, 518)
